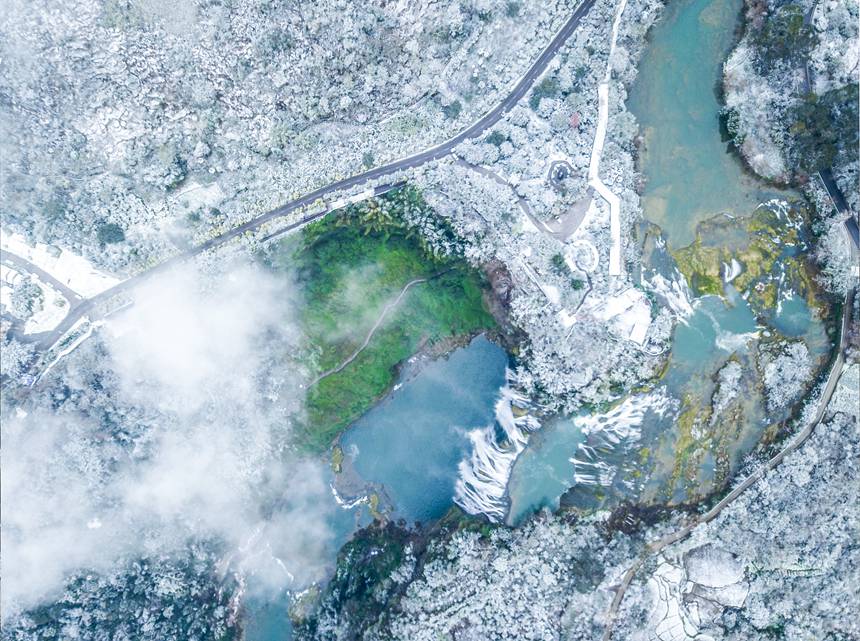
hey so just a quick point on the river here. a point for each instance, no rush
(662, 444)
(414, 441)
(407, 451)
(447, 418)
(691, 174)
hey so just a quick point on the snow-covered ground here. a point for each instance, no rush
(596, 152)
(688, 595)
(629, 313)
(51, 310)
(75, 271)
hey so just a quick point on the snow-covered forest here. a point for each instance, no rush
(791, 107)
(152, 478)
(754, 572)
(150, 466)
(131, 129)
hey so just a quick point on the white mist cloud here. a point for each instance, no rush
(201, 369)
(48, 495)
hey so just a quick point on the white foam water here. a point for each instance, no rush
(482, 484)
(618, 428)
(588, 469)
(731, 342)
(675, 293)
(731, 271)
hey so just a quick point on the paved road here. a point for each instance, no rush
(656, 546)
(21, 264)
(807, 21)
(833, 190)
(826, 175)
(410, 162)
(570, 221)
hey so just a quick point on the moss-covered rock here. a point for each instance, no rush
(337, 459)
(768, 245)
(700, 265)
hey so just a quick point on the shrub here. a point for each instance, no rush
(496, 138)
(110, 233)
(783, 36)
(546, 88)
(453, 110)
(822, 124)
(559, 266)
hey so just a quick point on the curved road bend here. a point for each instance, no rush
(657, 546)
(836, 195)
(410, 162)
(522, 202)
(21, 264)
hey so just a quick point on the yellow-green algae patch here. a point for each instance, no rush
(337, 459)
(766, 245)
(701, 266)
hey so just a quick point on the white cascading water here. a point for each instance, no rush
(482, 484)
(727, 340)
(731, 271)
(617, 428)
(668, 283)
(675, 293)
(588, 469)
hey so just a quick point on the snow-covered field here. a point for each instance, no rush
(72, 270)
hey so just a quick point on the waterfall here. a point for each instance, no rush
(613, 431)
(482, 484)
(675, 293)
(588, 469)
(731, 271)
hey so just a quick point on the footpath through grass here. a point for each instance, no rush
(349, 267)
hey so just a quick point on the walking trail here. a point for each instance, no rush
(373, 329)
(657, 546)
(597, 150)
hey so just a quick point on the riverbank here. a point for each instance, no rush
(791, 111)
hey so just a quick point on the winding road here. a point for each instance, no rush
(496, 178)
(21, 264)
(437, 152)
(655, 547)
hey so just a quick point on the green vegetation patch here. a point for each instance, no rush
(361, 585)
(546, 88)
(691, 419)
(512, 9)
(366, 586)
(783, 36)
(353, 266)
(701, 266)
(496, 138)
(453, 110)
(110, 233)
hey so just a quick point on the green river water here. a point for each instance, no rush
(690, 173)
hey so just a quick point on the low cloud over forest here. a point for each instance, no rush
(170, 426)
